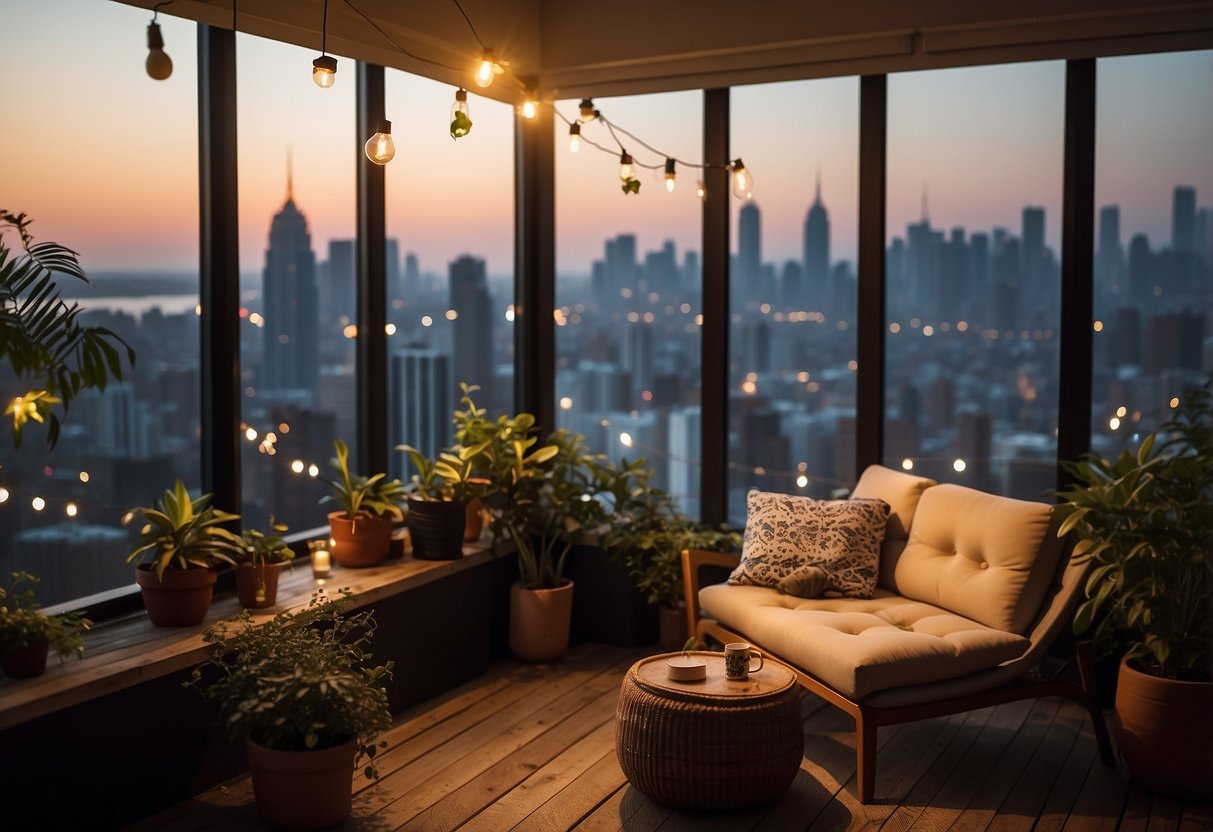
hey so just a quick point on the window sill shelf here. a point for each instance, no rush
(127, 651)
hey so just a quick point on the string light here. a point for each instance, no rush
(627, 168)
(487, 69)
(461, 117)
(586, 110)
(574, 137)
(743, 183)
(324, 68)
(701, 191)
(380, 148)
(159, 65)
(530, 108)
(669, 175)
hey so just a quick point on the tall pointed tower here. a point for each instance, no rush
(817, 253)
(289, 361)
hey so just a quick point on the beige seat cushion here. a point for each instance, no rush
(981, 556)
(860, 646)
(902, 492)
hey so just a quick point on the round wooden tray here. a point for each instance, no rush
(773, 679)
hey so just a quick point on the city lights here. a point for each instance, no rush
(907, 464)
(958, 465)
(71, 509)
(37, 504)
(4, 494)
(297, 466)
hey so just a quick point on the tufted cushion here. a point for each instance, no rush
(859, 647)
(784, 533)
(985, 557)
(902, 492)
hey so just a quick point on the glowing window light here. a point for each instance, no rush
(958, 465)
(625, 439)
(38, 503)
(566, 403)
(313, 470)
(297, 466)
(802, 481)
(72, 509)
(907, 464)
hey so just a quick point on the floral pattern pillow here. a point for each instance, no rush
(784, 533)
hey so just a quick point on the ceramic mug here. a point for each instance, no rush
(739, 659)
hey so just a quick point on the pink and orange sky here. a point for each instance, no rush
(105, 159)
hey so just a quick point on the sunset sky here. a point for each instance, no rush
(105, 159)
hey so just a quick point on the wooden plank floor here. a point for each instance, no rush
(531, 748)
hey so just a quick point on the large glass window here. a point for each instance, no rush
(1153, 241)
(793, 290)
(450, 261)
(296, 168)
(974, 206)
(104, 159)
(628, 286)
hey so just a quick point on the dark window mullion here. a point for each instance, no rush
(869, 381)
(371, 279)
(714, 334)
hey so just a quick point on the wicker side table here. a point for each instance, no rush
(711, 744)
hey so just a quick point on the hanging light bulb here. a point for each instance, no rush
(529, 108)
(588, 113)
(701, 191)
(487, 69)
(627, 168)
(380, 148)
(159, 64)
(743, 183)
(324, 68)
(324, 71)
(461, 120)
(574, 137)
(669, 175)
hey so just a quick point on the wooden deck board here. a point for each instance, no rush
(532, 748)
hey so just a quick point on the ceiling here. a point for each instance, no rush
(572, 48)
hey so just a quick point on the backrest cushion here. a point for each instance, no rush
(988, 558)
(784, 533)
(902, 492)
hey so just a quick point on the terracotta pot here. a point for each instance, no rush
(300, 790)
(248, 577)
(673, 622)
(436, 529)
(473, 525)
(539, 622)
(363, 541)
(1166, 732)
(180, 599)
(24, 660)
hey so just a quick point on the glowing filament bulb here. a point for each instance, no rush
(627, 169)
(487, 69)
(324, 71)
(743, 184)
(529, 108)
(586, 110)
(701, 191)
(574, 137)
(669, 175)
(380, 148)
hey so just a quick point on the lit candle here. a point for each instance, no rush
(322, 563)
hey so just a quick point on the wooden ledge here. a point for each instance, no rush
(129, 650)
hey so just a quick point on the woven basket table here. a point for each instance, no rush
(711, 744)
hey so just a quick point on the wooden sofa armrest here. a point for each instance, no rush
(692, 560)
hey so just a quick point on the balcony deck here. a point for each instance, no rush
(532, 748)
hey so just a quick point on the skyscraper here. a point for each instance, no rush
(1109, 258)
(817, 253)
(290, 359)
(473, 327)
(419, 413)
(1032, 250)
(1183, 218)
(749, 251)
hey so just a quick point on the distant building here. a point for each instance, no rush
(290, 356)
(1183, 219)
(472, 328)
(817, 254)
(419, 412)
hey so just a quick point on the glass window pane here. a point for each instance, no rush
(296, 167)
(104, 160)
(793, 290)
(450, 225)
(1153, 241)
(974, 223)
(628, 287)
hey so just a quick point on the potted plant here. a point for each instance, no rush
(362, 529)
(300, 689)
(1146, 518)
(440, 502)
(258, 570)
(26, 635)
(40, 336)
(181, 541)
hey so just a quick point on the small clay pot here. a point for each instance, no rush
(363, 541)
(302, 790)
(180, 599)
(24, 660)
(257, 586)
(473, 521)
(539, 621)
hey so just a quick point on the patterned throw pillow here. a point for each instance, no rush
(784, 533)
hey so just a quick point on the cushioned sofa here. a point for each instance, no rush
(972, 590)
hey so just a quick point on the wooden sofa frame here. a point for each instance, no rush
(868, 719)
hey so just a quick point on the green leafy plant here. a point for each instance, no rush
(630, 186)
(40, 336)
(184, 533)
(302, 681)
(454, 475)
(374, 495)
(1146, 518)
(22, 623)
(262, 547)
(461, 125)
